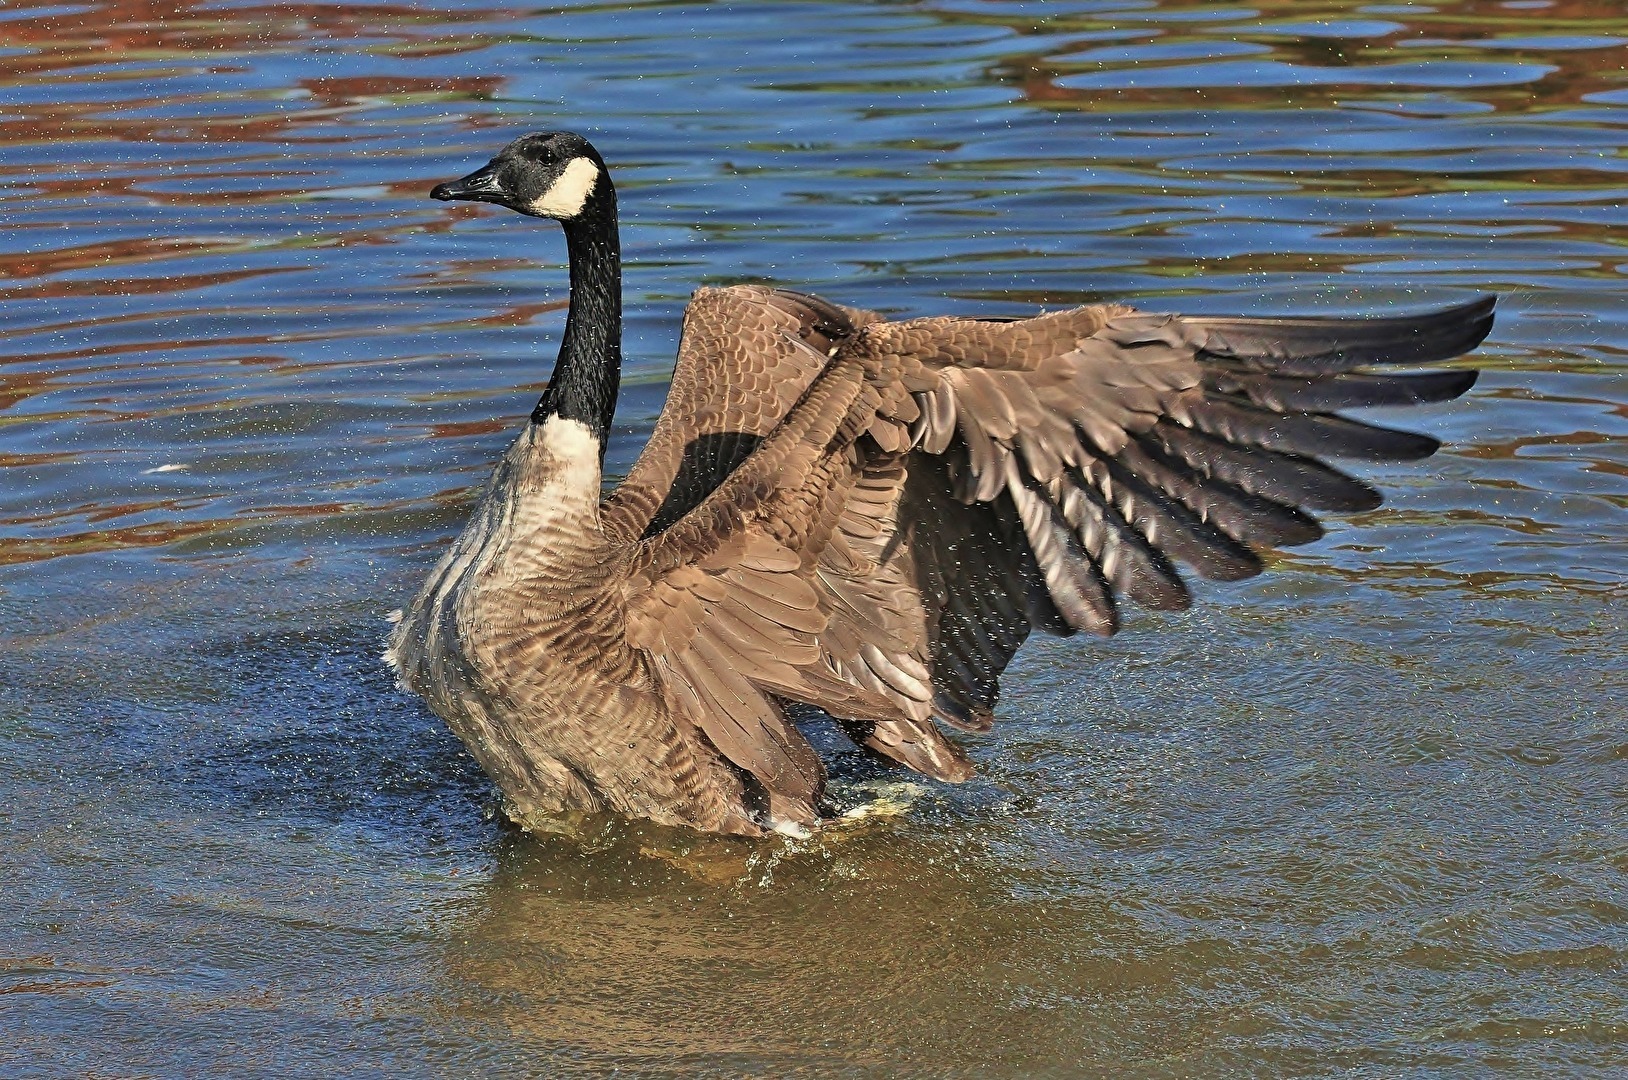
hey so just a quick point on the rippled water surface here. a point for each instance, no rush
(1363, 816)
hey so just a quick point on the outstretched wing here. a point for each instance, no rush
(746, 354)
(940, 487)
(1083, 470)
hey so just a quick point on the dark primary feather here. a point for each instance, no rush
(1318, 345)
(1290, 479)
(1347, 390)
(1131, 565)
(1236, 421)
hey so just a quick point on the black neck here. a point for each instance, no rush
(589, 369)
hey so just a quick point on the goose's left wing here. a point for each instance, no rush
(746, 354)
(733, 603)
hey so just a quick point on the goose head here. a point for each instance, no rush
(550, 174)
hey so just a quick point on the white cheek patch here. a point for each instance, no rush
(566, 196)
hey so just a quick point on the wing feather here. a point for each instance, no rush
(746, 353)
(936, 489)
(1113, 443)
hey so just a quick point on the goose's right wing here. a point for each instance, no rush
(1067, 462)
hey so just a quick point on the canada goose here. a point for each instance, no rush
(861, 515)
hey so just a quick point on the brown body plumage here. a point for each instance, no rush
(861, 515)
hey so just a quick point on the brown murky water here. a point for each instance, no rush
(1364, 816)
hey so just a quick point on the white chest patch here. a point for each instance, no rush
(570, 443)
(566, 471)
(567, 195)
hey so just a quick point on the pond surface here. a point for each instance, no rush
(1362, 816)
